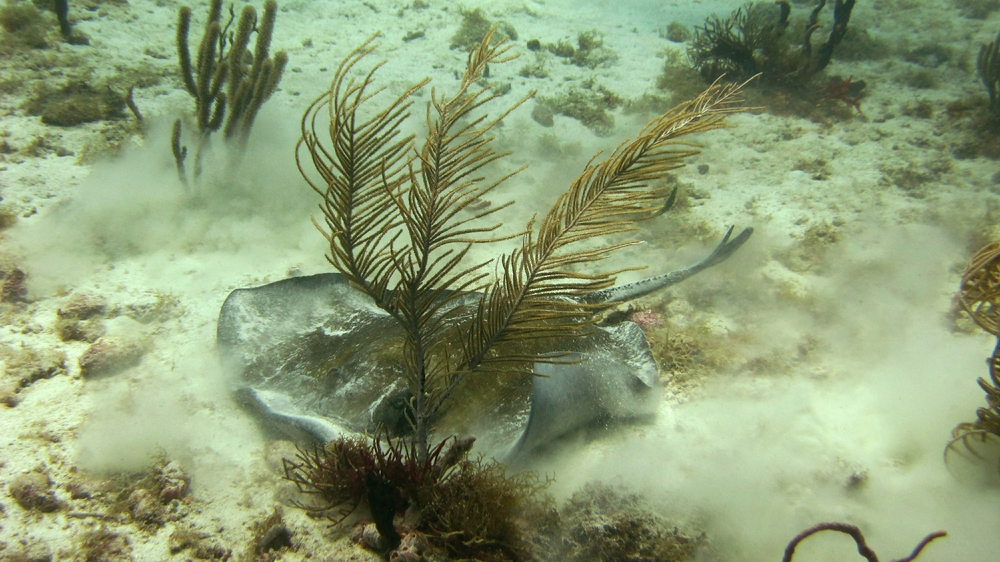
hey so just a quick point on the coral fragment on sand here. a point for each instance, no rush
(32, 491)
(109, 356)
(605, 523)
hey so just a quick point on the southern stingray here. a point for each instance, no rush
(413, 335)
(315, 359)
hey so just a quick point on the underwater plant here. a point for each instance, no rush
(741, 45)
(752, 41)
(863, 548)
(387, 474)
(979, 295)
(988, 70)
(251, 77)
(400, 222)
(467, 506)
(396, 231)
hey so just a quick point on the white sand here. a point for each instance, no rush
(848, 365)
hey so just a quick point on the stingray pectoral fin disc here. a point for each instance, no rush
(613, 378)
(313, 357)
(310, 354)
(278, 412)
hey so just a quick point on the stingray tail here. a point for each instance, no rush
(635, 290)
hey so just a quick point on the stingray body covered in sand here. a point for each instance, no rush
(316, 360)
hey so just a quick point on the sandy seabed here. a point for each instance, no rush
(824, 366)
